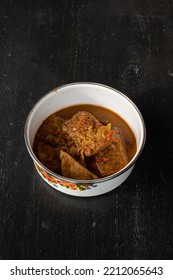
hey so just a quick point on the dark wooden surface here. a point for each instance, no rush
(124, 44)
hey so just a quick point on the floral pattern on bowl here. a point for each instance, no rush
(54, 182)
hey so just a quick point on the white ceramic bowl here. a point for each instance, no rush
(85, 93)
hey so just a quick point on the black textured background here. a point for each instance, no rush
(124, 44)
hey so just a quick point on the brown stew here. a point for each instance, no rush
(84, 142)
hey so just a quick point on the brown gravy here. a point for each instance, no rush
(105, 116)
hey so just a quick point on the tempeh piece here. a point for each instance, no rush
(113, 158)
(88, 133)
(48, 156)
(72, 169)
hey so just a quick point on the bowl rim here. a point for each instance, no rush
(75, 181)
